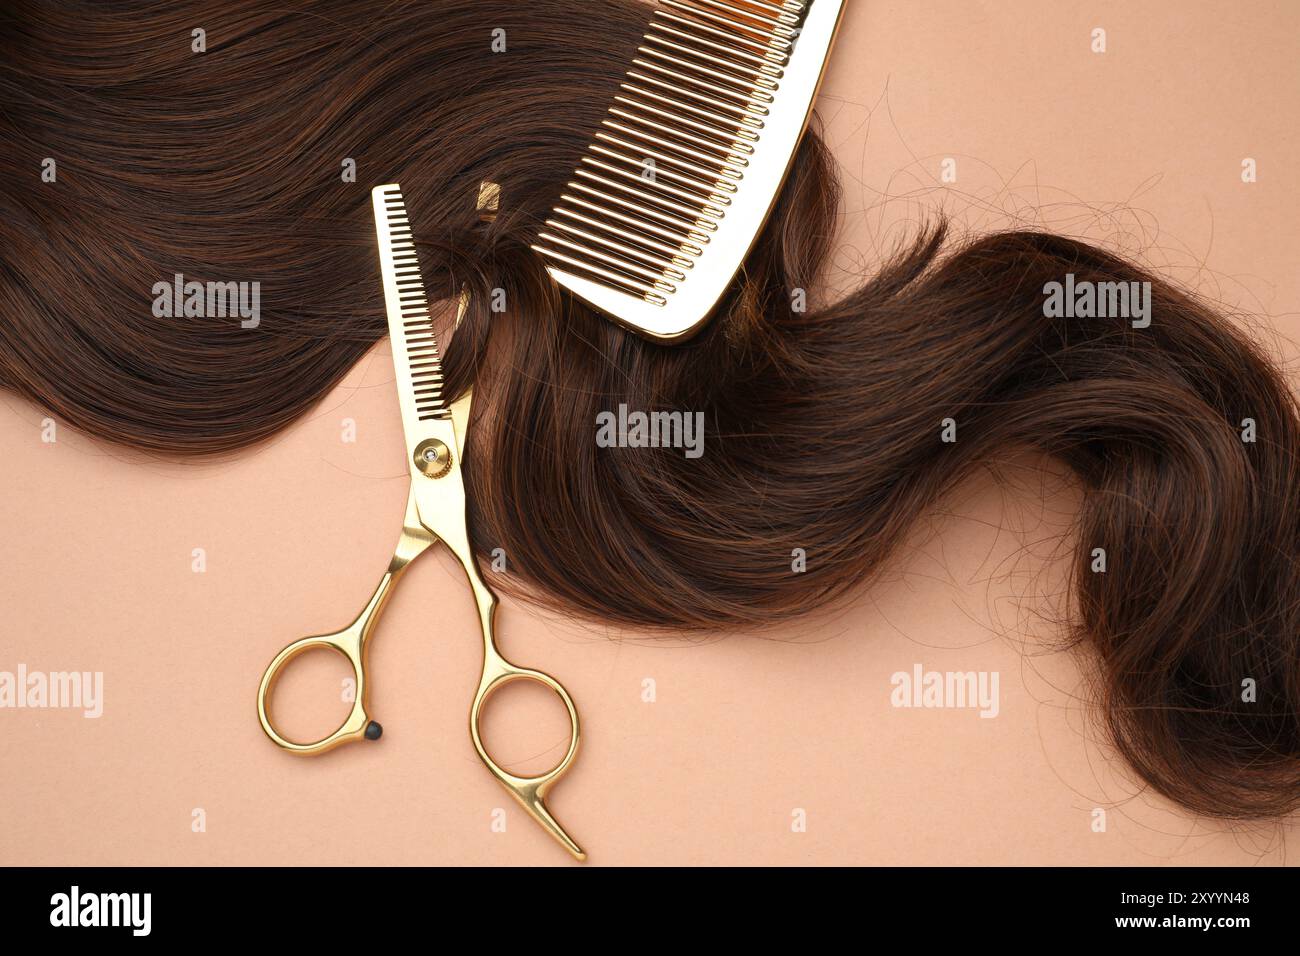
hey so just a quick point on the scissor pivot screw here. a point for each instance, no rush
(433, 458)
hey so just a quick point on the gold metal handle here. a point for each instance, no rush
(529, 791)
(351, 643)
(441, 502)
(497, 673)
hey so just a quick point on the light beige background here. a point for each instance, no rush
(1140, 147)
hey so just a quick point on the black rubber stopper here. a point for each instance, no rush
(373, 730)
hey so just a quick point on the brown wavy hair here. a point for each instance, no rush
(823, 426)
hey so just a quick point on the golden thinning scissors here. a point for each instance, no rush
(435, 511)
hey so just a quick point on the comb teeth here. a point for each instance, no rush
(409, 324)
(686, 165)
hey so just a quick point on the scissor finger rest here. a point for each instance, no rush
(529, 791)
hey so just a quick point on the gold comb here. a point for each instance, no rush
(687, 164)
